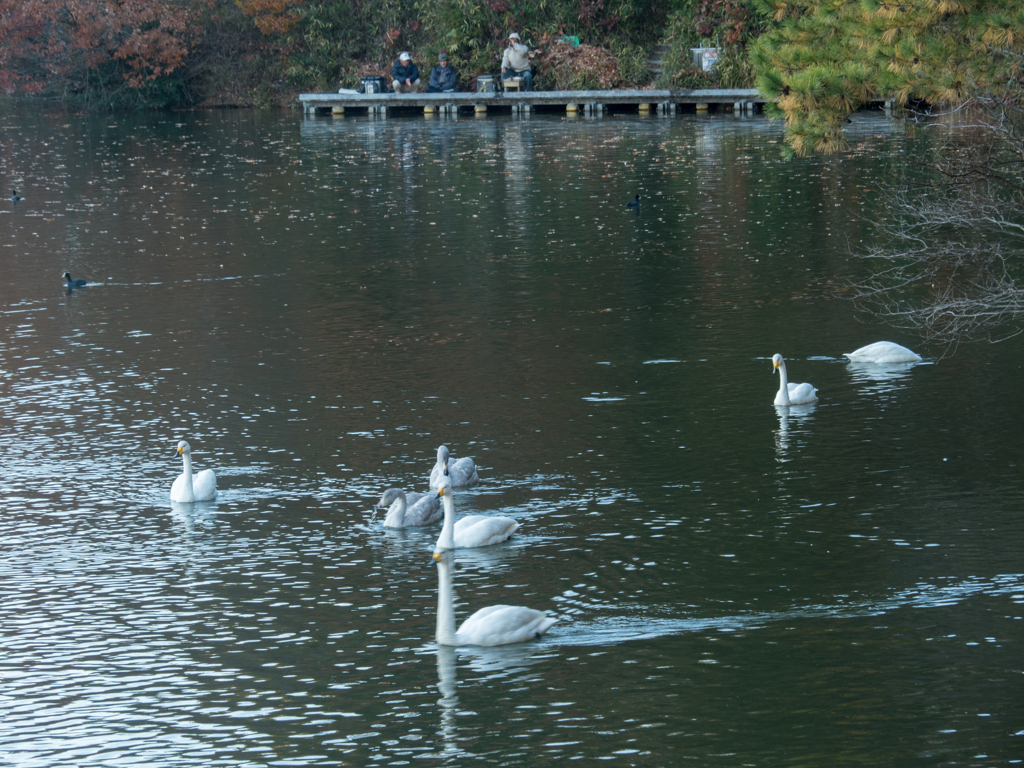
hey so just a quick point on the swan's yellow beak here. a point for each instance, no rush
(440, 492)
(437, 557)
(177, 451)
(775, 365)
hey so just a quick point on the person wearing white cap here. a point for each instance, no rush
(405, 75)
(515, 62)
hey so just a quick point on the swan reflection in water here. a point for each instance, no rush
(189, 516)
(491, 664)
(879, 378)
(447, 742)
(791, 416)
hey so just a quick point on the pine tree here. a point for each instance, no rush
(828, 57)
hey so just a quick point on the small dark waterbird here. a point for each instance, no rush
(635, 203)
(74, 283)
(15, 197)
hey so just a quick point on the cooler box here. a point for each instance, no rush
(488, 83)
(705, 59)
(374, 84)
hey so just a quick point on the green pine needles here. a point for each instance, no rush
(827, 58)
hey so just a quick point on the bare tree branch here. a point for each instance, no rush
(952, 247)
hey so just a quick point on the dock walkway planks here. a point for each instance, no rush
(591, 101)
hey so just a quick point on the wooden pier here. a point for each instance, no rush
(741, 100)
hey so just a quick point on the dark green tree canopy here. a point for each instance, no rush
(828, 57)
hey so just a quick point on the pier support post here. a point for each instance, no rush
(480, 109)
(572, 108)
(667, 107)
(701, 107)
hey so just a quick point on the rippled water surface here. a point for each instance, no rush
(317, 304)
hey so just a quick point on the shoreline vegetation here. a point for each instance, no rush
(144, 54)
(815, 62)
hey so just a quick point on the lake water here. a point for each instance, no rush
(317, 304)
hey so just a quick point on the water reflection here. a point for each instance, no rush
(498, 668)
(801, 417)
(449, 702)
(879, 378)
(325, 301)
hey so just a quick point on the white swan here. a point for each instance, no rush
(883, 352)
(188, 488)
(493, 625)
(471, 530)
(791, 394)
(461, 471)
(408, 510)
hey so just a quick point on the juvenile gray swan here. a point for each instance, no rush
(411, 510)
(461, 472)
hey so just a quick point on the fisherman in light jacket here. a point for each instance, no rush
(515, 62)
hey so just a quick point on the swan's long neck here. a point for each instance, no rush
(396, 513)
(186, 462)
(447, 538)
(445, 599)
(784, 383)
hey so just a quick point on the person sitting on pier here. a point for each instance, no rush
(515, 62)
(443, 77)
(405, 75)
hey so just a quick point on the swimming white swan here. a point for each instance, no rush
(188, 488)
(461, 471)
(883, 352)
(409, 510)
(791, 394)
(471, 530)
(493, 625)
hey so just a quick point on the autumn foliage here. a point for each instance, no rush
(272, 17)
(70, 41)
(134, 53)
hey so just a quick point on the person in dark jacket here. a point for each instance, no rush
(443, 77)
(405, 75)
